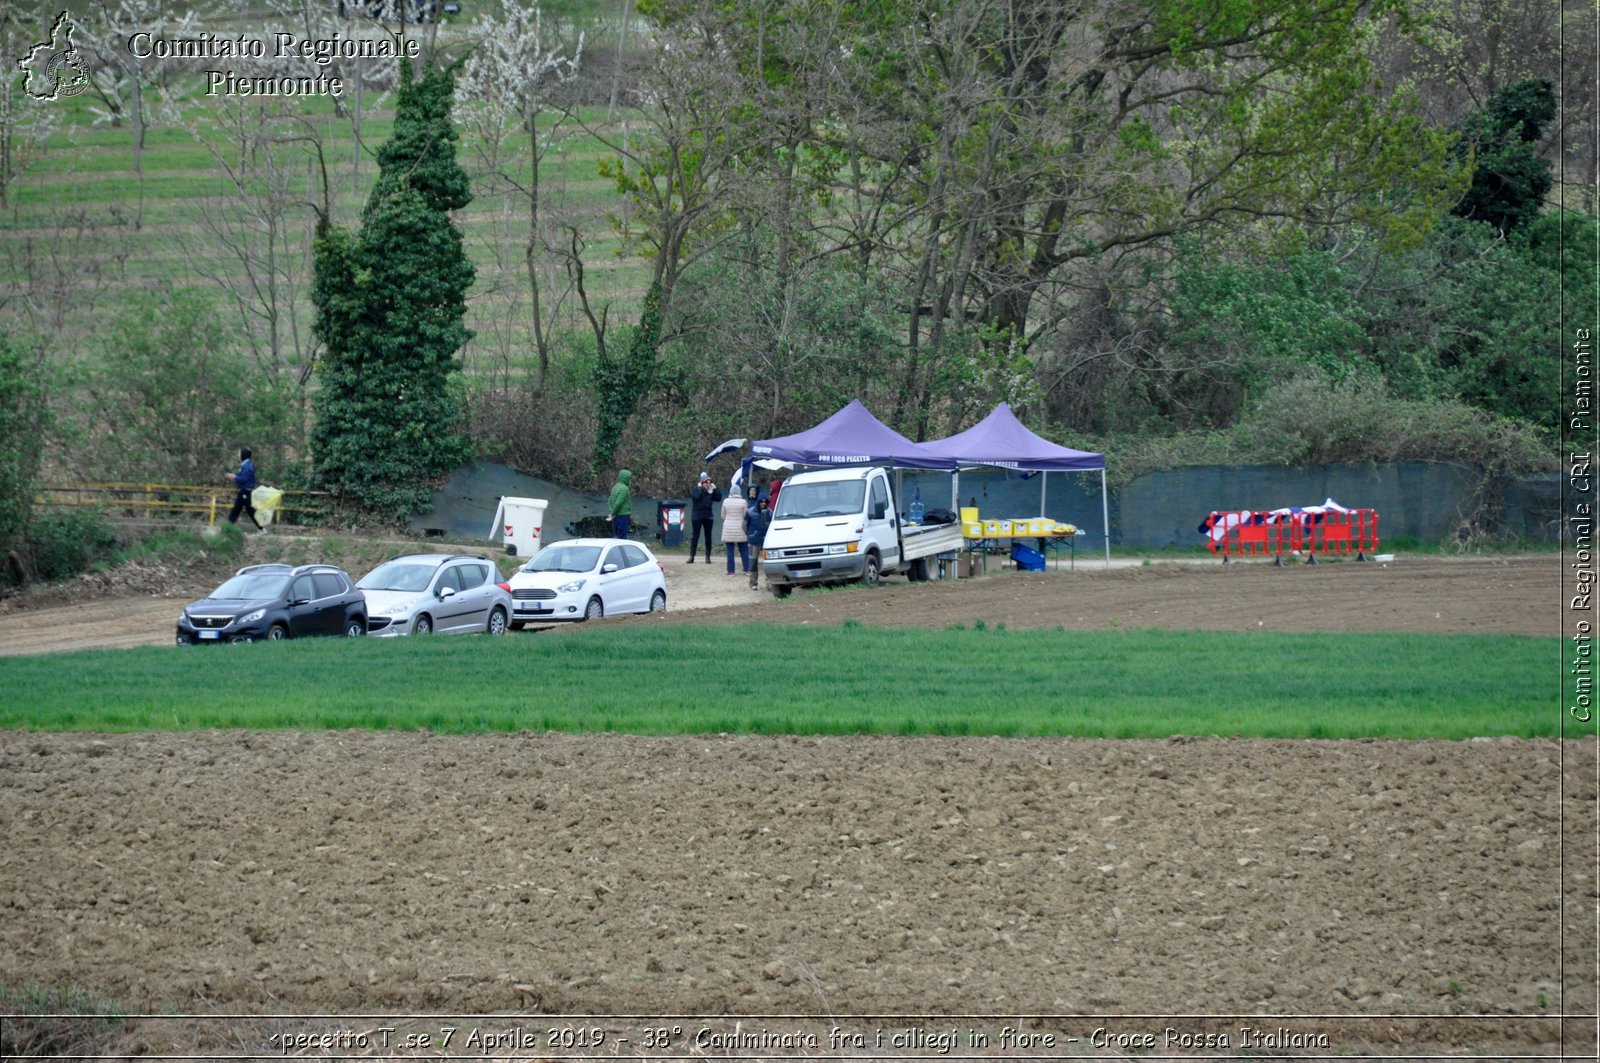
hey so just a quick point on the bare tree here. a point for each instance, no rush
(25, 123)
(122, 75)
(503, 92)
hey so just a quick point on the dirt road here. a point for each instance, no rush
(1486, 596)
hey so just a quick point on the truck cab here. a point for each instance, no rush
(832, 526)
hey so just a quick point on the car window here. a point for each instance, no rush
(397, 575)
(564, 559)
(329, 584)
(449, 579)
(471, 576)
(880, 495)
(634, 555)
(614, 557)
(253, 585)
(302, 589)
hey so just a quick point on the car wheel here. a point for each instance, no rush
(782, 590)
(355, 628)
(658, 602)
(594, 610)
(516, 625)
(423, 626)
(184, 640)
(277, 633)
(871, 574)
(497, 621)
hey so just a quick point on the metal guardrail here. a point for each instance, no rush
(158, 499)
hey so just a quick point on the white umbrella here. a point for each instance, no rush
(723, 448)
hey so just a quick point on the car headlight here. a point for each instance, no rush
(841, 548)
(572, 587)
(250, 618)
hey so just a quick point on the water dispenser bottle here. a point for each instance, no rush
(916, 507)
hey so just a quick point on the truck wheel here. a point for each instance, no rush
(871, 573)
(781, 590)
(918, 572)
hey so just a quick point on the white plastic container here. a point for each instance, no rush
(519, 523)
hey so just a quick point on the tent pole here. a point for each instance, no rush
(1044, 478)
(1105, 514)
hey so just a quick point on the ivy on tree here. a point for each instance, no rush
(390, 304)
(620, 383)
(1510, 181)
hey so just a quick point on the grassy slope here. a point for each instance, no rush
(688, 680)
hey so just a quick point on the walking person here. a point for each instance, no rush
(705, 496)
(756, 523)
(621, 505)
(244, 482)
(733, 511)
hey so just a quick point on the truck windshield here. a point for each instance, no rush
(797, 501)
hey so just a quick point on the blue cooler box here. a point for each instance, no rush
(1027, 558)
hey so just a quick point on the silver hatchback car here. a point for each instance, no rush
(420, 594)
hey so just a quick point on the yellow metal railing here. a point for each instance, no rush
(156, 499)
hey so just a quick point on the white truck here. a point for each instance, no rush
(841, 525)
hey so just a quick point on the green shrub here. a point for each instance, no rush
(61, 543)
(1313, 419)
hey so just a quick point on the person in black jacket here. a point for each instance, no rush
(703, 501)
(757, 519)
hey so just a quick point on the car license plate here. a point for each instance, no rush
(533, 609)
(209, 634)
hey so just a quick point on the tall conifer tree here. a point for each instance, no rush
(390, 303)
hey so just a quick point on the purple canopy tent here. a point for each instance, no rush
(1003, 441)
(850, 437)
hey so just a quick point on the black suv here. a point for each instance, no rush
(276, 602)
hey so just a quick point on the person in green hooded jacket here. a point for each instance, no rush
(621, 505)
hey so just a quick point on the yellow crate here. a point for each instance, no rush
(972, 529)
(969, 514)
(997, 527)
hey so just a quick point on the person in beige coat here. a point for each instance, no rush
(733, 534)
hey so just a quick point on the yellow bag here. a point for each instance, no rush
(265, 500)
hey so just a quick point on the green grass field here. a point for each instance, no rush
(791, 680)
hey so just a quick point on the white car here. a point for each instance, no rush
(420, 594)
(585, 579)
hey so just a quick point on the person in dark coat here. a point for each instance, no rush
(756, 522)
(702, 511)
(244, 482)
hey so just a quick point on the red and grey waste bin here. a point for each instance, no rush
(671, 514)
